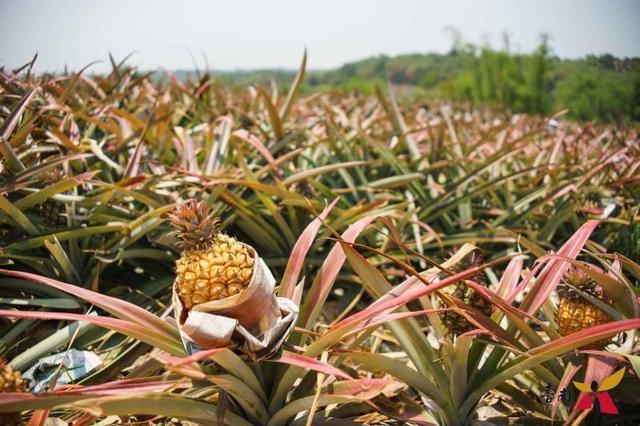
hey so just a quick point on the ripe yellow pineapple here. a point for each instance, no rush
(10, 381)
(576, 313)
(213, 265)
(52, 212)
(457, 324)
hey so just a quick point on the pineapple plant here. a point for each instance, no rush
(212, 265)
(305, 189)
(574, 312)
(10, 381)
(455, 323)
(51, 211)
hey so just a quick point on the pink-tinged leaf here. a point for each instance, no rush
(11, 121)
(9, 401)
(247, 137)
(416, 283)
(116, 307)
(510, 278)
(6, 128)
(175, 81)
(196, 357)
(327, 274)
(84, 419)
(38, 418)
(587, 336)
(202, 88)
(291, 358)
(484, 324)
(172, 363)
(410, 283)
(599, 368)
(413, 288)
(123, 386)
(481, 321)
(570, 371)
(299, 253)
(429, 229)
(551, 275)
(130, 182)
(616, 267)
(394, 298)
(127, 328)
(366, 388)
(613, 355)
(385, 318)
(525, 282)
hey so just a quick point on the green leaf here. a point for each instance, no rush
(65, 235)
(162, 405)
(286, 107)
(15, 215)
(7, 127)
(274, 118)
(61, 258)
(55, 303)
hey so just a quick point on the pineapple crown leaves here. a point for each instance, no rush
(473, 259)
(52, 176)
(580, 279)
(196, 226)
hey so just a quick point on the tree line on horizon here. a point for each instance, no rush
(597, 87)
(600, 88)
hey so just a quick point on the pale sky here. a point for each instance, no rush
(243, 34)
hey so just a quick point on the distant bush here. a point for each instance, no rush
(602, 88)
(601, 94)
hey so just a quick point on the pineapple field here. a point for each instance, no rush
(189, 251)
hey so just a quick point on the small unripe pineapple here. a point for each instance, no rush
(11, 381)
(457, 324)
(576, 313)
(213, 265)
(52, 212)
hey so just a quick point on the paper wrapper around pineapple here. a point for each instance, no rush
(253, 322)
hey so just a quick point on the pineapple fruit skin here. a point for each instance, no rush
(53, 214)
(214, 272)
(455, 323)
(11, 381)
(574, 312)
(574, 316)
